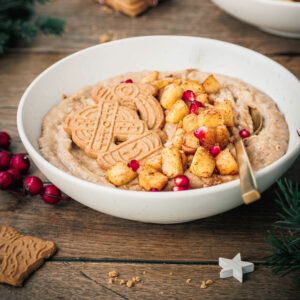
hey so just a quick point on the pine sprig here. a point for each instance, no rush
(285, 248)
(18, 22)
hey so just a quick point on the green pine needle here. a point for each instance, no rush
(285, 248)
(19, 24)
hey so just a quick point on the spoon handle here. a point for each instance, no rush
(248, 183)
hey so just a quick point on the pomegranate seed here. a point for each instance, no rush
(4, 139)
(182, 181)
(194, 107)
(127, 81)
(6, 180)
(134, 165)
(244, 133)
(17, 176)
(20, 162)
(178, 189)
(51, 194)
(189, 96)
(5, 158)
(154, 190)
(215, 150)
(200, 133)
(33, 185)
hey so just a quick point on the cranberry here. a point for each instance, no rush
(33, 185)
(127, 81)
(154, 190)
(178, 189)
(6, 180)
(194, 107)
(51, 194)
(17, 176)
(20, 162)
(244, 133)
(200, 133)
(5, 158)
(134, 165)
(189, 96)
(182, 181)
(4, 139)
(214, 151)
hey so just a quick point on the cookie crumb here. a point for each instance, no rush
(209, 282)
(188, 280)
(64, 96)
(110, 281)
(133, 279)
(203, 285)
(171, 273)
(130, 283)
(104, 38)
(113, 274)
(144, 272)
(161, 293)
(138, 279)
(122, 282)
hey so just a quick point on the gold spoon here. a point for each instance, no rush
(248, 183)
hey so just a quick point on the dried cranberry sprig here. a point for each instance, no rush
(12, 170)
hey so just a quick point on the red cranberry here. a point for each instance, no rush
(214, 151)
(51, 194)
(17, 176)
(20, 162)
(127, 81)
(4, 139)
(134, 165)
(200, 133)
(182, 181)
(244, 133)
(5, 158)
(178, 189)
(194, 107)
(33, 185)
(6, 180)
(189, 96)
(154, 190)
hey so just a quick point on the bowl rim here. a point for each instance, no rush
(278, 3)
(121, 192)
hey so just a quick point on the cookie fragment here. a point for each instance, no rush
(21, 255)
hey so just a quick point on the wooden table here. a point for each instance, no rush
(90, 243)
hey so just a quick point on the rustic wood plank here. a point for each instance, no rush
(63, 280)
(87, 21)
(18, 70)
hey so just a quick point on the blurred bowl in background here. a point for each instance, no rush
(273, 16)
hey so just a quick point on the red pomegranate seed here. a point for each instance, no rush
(215, 150)
(5, 158)
(4, 139)
(134, 165)
(51, 194)
(6, 180)
(182, 181)
(189, 96)
(244, 133)
(33, 185)
(200, 133)
(154, 190)
(194, 107)
(178, 189)
(127, 81)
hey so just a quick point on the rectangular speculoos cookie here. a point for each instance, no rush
(20, 255)
(130, 7)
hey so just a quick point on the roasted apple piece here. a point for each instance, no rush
(226, 110)
(190, 142)
(211, 84)
(177, 112)
(171, 162)
(170, 95)
(120, 174)
(226, 163)
(151, 178)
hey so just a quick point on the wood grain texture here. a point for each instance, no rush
(64, 280)
(87, 21)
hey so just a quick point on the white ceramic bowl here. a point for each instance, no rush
(274, 16)
(162, 53)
